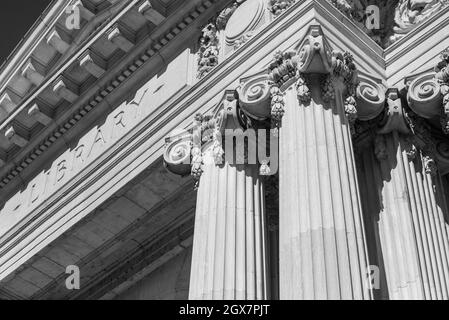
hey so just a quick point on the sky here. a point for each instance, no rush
(16, 18)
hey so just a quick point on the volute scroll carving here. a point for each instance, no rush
(424, 96)
(177, 154)
(442, 77)
(428, 94)
(370, 98)
(254, 95)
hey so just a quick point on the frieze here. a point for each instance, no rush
(96, 142)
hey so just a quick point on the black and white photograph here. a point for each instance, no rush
(224, 154)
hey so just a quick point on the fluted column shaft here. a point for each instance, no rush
(384, 189)
(428, 207)
(322, 244)
(406, 208)
(229, 250)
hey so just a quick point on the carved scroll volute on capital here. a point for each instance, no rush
(424, 96)
(177, 154)
(254, 96)
(370, 98)
(314, 53)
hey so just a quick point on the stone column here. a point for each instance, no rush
(322, 244)
(229, 258)
(402, 193)
(229, 249)
(430, 227)
(384, 183)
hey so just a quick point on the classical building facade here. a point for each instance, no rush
(212, 149)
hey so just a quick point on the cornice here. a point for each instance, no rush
(144, 52)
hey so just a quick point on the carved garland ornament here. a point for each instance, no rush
(442, 77)
(208, 51)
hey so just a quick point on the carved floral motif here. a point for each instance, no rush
(328, 89)
(442, 77)
(282, 69)
(302, 89)
(209, 49)
(343, 66)
(396, 17)
(279, 6)
(410, 13)
(277, 106)
(225, 14)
